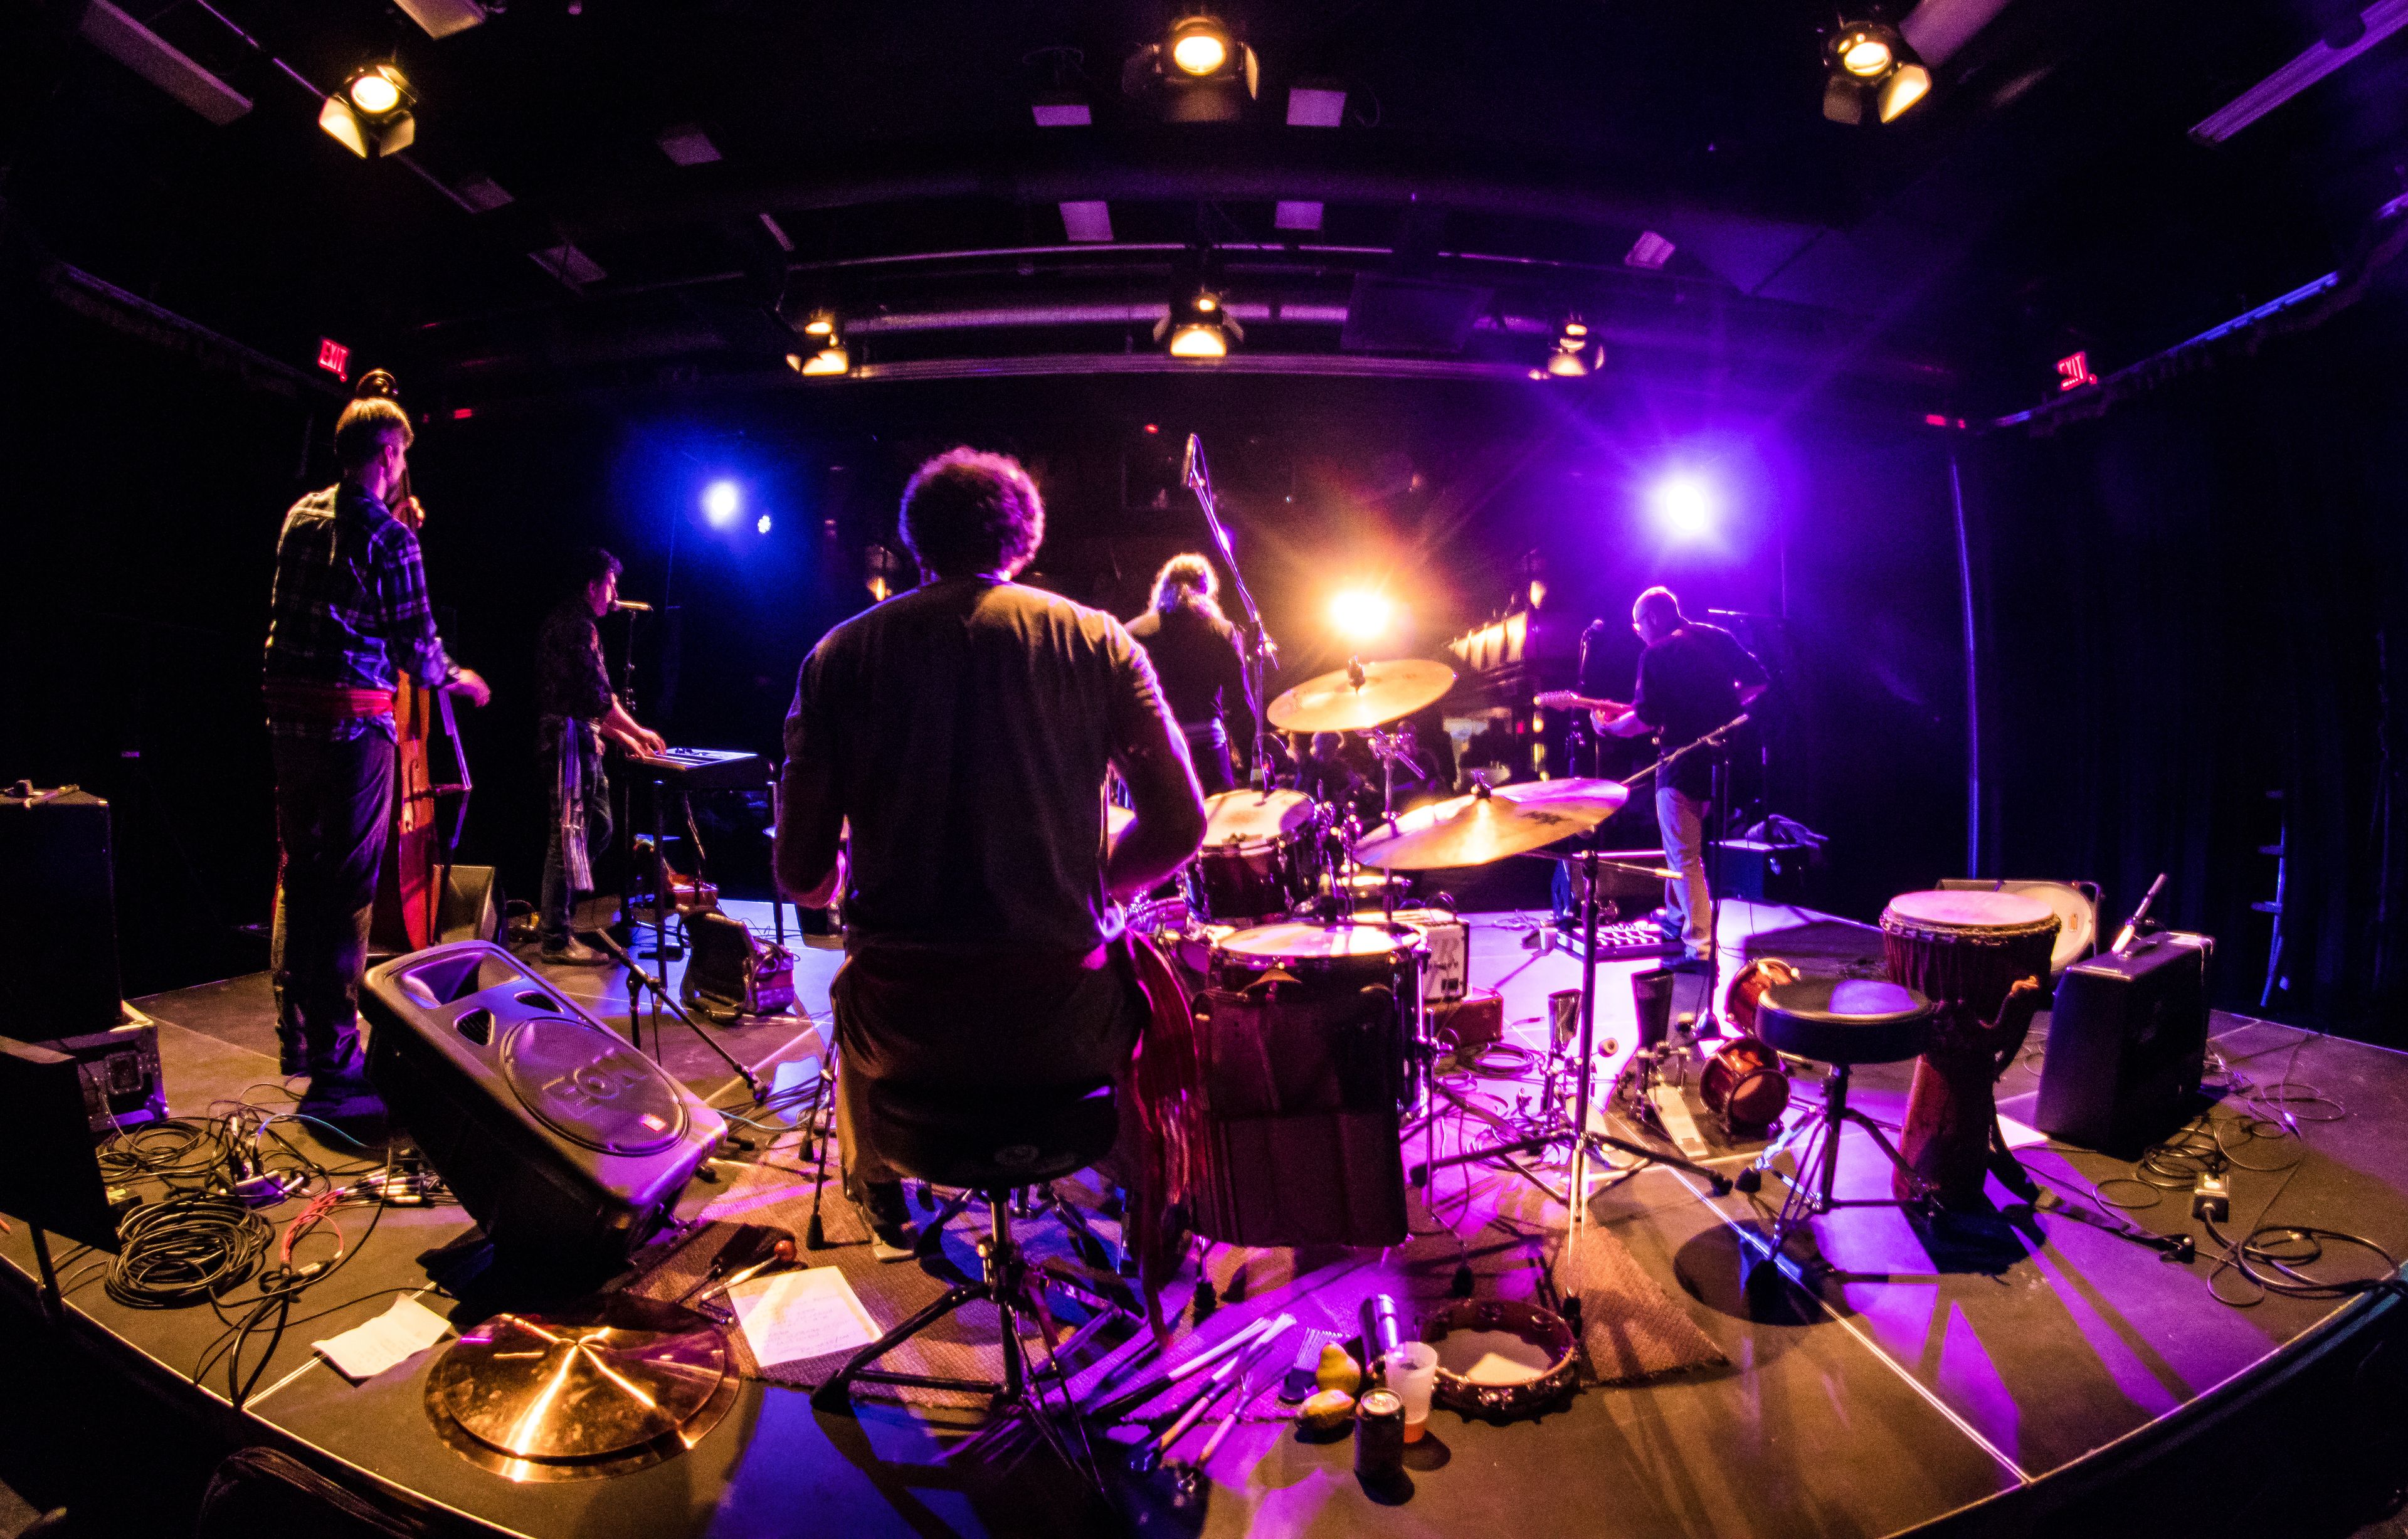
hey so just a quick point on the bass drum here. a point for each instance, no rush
(1262, 858)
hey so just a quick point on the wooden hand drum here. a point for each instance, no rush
(1967, 951)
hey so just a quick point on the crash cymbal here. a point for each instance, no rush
(1475, 830)
(614, 1384)
(1608, 794)
(1361, 695)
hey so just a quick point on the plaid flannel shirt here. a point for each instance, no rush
(350, 608)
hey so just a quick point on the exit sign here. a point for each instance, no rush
(333, 357)
(2074, 371)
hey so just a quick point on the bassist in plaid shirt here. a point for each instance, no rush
(350, 614)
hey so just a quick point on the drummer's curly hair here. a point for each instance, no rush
(966, 512)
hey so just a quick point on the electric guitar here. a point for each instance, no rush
(1566, 699)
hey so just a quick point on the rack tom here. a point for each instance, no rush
(1261, 857)
(1966, 951)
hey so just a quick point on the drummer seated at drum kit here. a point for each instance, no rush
(958, 733)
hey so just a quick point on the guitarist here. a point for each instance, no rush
(1693, 678)
(350, 614)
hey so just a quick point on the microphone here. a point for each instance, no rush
(631, 606)
(2131, 926)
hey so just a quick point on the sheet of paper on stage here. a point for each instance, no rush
(363, 1352)
(791, 1315)
(2020, 1135)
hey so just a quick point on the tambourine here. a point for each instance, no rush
(1501, 1356)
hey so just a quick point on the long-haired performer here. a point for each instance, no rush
(1195, 655)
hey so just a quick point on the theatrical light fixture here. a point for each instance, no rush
(1684, 507)
(1198, 73)
(1199, 46)
(722, 500)
(1361, 614)
(820, 322)
(370, 114)
(762, 526)
(1869, 62)
(1575, 354)
(831, 359)
(1198, 326)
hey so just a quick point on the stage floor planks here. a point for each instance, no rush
(1942, 1369)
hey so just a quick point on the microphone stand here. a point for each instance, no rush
(1262, 654)
(638, 979)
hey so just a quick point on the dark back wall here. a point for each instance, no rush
(149, 487)
(2197, 600)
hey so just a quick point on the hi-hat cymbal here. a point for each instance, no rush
(1477, 830)
(614, 1384)
(1343, 702)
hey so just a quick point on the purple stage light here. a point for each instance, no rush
(1683, 506)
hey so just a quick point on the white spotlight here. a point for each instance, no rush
(722, 500)
(1684, 507)
(1361, 614)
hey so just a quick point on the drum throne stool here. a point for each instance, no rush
(1843, 1022)
(993, 1147)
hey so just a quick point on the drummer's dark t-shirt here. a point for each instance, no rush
(1196, 656)
(964, 728)
(1689, 684)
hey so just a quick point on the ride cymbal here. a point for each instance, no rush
(1361, 696)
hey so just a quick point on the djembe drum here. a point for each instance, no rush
(1967, 951)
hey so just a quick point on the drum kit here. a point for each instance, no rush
(1312, 1036)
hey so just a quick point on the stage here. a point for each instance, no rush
(1977, 1376)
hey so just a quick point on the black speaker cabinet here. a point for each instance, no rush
(58, 952)
(2127, 1044)
(567, 1144)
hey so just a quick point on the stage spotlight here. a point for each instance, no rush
(1867, 61)
(1575, 355)
(1361, 614)
(832, 359)
(722, 500)
(1199, 46)
(371, 115)
(820, 322)
(762, 526)
(1198, 326)
(1684, 507)
(1198, 73)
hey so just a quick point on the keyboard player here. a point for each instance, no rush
(579, 710)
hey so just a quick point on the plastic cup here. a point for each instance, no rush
(1412, 1372)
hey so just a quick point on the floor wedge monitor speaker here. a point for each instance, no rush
(561, 1140)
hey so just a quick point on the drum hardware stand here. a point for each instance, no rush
(1577, 1131)
(1810, 1194)
(638, 980)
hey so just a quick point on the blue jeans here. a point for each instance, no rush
(332, 803)
(1688, 899)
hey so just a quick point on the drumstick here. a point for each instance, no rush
(1221, 1378)
(1212, 1354)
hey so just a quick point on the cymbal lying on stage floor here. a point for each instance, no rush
(1484, 826)
(1360, 696)
(614, 1384)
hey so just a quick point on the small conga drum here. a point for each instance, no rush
(1966, 951)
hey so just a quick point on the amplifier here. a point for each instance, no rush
(119, 1072)
(1757, 872)
(2127, 1044)
(731, 971)
(561, 1139)
(1449, 940)
(58, 953)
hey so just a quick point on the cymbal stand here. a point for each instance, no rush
(1577, 1132)
(1262, 654)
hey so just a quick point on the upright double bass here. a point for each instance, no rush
(416, 849)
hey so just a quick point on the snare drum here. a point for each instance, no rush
(1966, 951)
(1261, 858)
(1302, 1061)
